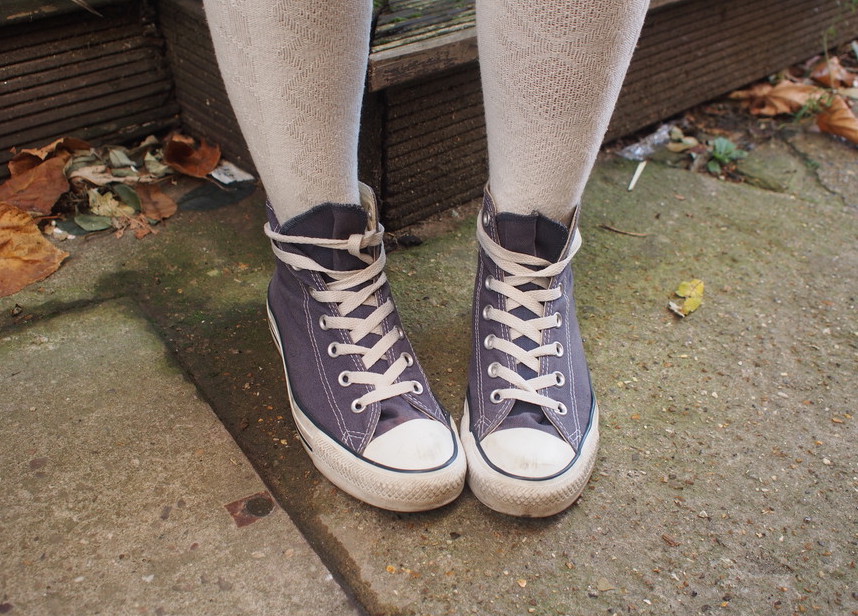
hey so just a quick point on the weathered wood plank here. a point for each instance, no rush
(428, 171)
(84, 42)
(79, 93)
(15, 11)
(413, 206)
(93, 123)
(443, 126)
(152, 94)
(72, 57)
(416, 60)
(47, 83)
(406, 117)
(45, 31)
(415, 30)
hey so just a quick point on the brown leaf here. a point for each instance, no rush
(25, 160)
(25, 255)
(838, 119)
(155, 204)
(785, 97)
(832, 74)
(180, 153)
(37, 189)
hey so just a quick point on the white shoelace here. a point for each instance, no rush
(518, 271)
(341, 291)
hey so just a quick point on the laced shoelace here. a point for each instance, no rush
(346, 291)
(520, 270)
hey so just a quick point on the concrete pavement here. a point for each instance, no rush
(727, 475)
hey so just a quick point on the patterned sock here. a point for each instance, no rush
(551, 75)
(294, 71)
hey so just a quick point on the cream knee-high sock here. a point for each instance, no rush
(551, 74)
(294, 71)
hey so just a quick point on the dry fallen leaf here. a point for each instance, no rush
(180, 153)
(107, 205)
(838, 119)
(604, 585)
(101, 175)
(785, 97)
(36, 189)
(32, 157)
(692, 294)
(25, 255)
(154, 203)
(831, 73)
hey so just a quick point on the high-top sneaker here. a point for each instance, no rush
(360, 399)
(530, 428)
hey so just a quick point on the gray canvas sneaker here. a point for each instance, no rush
(530, 427)
(360, 399)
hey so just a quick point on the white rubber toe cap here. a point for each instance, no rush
(526, 452)
(418, 444)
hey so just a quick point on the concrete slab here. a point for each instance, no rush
(116, 477)
(726, 479)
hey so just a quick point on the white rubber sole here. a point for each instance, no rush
(383, 487)
(526, 497)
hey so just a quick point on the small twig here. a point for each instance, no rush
(82, 4)
(615, 230)
(637, 175)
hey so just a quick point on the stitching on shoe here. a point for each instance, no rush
(319, 366)
(573, 437)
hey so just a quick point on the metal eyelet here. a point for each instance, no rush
(344, 379)
(561, 409)
(401, 332)
(559, 379)
(560, 287)
(323, 323)
(489, 342)
(492, 370)
(358, 406)
(495, 396)
(409, 360)
(487, 311)
(416, 387)
(558, 318)
(487, 219)
(332, 350)
(558, 349)
(488, 282)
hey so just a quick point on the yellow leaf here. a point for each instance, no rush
(692, 293)
(690, 288)
(107, 205)
(691, 304)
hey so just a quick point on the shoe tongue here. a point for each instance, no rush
(541, 237)
(533, 234)
(330, 221)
